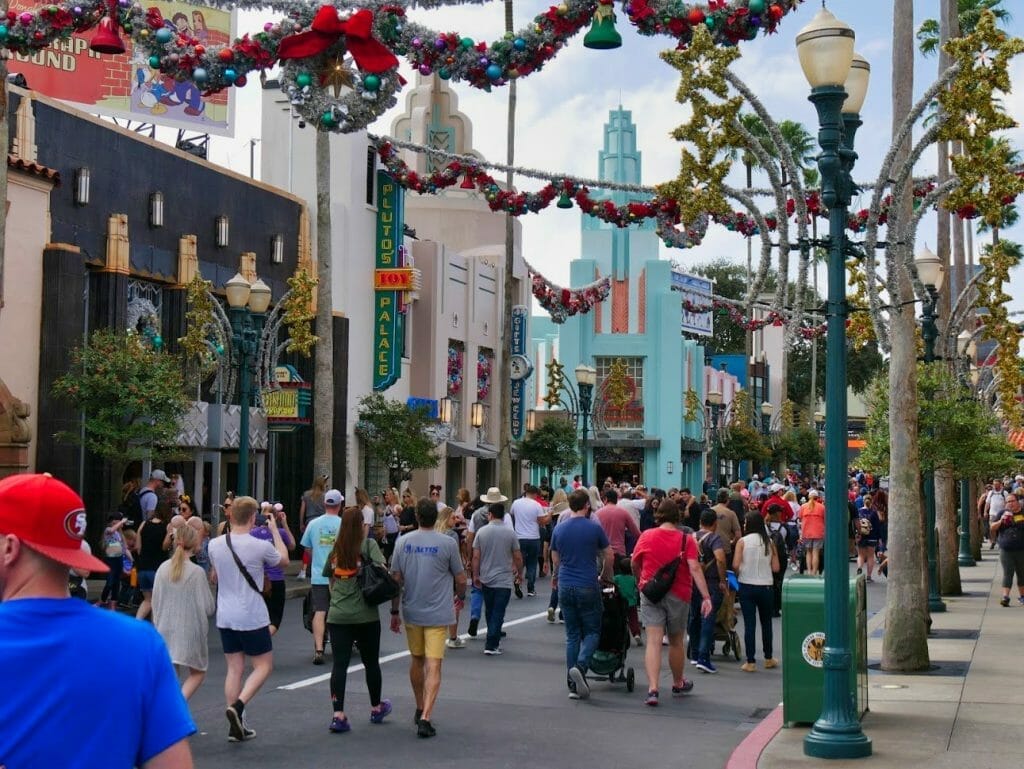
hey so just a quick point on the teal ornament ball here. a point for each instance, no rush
(371, 83)
(709, 22)
(303, 79)
(220, 349)
(519, 44)
(230, 75)
(756, 6)
(154, 62)
(327, 119)
(158, 341)
(164, 35)
(3, 31)
(444, 73)
(493, 72)
(466, 42)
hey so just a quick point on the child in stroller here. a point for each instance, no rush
(609, 661)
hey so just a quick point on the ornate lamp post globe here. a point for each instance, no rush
(930, 269)
(825, 48)
(259, 296)
(237, 290)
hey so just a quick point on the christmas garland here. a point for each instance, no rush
(562, 303)
(729, 309)
(455, 361)
(299, 313)
(483, 375)
(313, 42)
(200, 343)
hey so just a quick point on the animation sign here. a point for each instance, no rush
(124, 85)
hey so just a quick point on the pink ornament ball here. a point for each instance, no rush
(26, 18)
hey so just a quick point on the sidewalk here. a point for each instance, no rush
(961, 714)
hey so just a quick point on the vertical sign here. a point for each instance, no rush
(517, 402)
(388, 320)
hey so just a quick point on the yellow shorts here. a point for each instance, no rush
(426, 641)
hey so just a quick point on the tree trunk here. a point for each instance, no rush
(947, 519)
(505, 463)
(905, 645)
(323, 392)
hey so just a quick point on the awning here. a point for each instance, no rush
(453, 449)
(624, 443)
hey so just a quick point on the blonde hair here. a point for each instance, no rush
(186, 538)
(243, 509)
(558, 497)
(444, 521)
(789, 496)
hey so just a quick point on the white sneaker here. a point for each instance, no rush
(493, 652)
(301, 576)
(455, 643)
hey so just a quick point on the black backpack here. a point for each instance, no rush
(778, 537)
(131, 507)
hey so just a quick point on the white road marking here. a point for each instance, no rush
(314, 680)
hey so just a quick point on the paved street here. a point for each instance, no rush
(493, 712)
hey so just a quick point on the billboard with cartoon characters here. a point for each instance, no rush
(124, 85)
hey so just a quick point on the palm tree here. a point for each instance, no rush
(969, 12)
(1010, 214)
(802, 147)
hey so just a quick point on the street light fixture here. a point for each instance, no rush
(714, 407)
(531, 420)
(932, 272)
(247, 307)
(476, 415)
(586, 378)
(825, 48)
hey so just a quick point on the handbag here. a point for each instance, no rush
(375, 582)
(657, 587)
(265, 592)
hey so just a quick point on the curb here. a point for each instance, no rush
(747, 753)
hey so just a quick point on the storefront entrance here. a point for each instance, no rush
(619, 472)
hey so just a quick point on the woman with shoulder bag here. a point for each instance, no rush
(1008, 533)
(655, 552)
(755, 561)
(350, 619)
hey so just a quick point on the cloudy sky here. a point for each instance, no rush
(561, 110)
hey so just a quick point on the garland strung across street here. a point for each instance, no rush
(562, 303)
(730, 309)
(340, 65)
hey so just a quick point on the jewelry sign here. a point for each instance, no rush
(390, 284)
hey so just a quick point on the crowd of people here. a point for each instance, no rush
(675, 561)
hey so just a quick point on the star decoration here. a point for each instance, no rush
(338, 75)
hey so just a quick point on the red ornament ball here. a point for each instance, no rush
(695, 17)
(775, 12)
(225, 54)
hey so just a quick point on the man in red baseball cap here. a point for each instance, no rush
(58, 650)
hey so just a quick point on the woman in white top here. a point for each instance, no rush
(754, 561)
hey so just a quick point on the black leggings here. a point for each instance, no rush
(112, 587)
(367, 635)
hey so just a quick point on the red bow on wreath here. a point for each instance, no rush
(369, 54)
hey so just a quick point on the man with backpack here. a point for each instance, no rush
(142, 503)
(995, 504)
(711, 552)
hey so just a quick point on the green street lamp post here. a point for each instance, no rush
(967, 349)
(839, 81)
(931, 271)
(586, 379)
(247, 307)
(714, 406)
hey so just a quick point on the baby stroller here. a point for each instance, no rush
(609, 661)
(725, 621)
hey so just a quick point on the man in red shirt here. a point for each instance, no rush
(776, 504)
(616, 521)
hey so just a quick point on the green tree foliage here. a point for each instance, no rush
(956, 430)
(132, 397)
(798, 446)
(743, 442)
(969, 12)
(862, 366)
(391, 428)
(552, 445)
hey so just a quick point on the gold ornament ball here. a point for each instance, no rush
(563, 9)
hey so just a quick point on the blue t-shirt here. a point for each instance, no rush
(319, 538)
(578, 542)
(68, 700)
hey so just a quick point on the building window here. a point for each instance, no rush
(620, 392)
(371, 175)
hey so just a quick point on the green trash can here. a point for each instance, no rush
(803, 639)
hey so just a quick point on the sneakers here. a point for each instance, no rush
(493, 652)
(417, 716)
(578, 683)
(706, 666)
(378, 716)
(770, 663)
(1020, 600)
(318, 657)
(639, 640)
(1004, 601)
(748, 667)
(551, 615)
(301, 576)
(474, 623)
(424, 729)
(519, 590)
(652, 699)
(340, 725)
(684, 688)
(531, 594)
(455, 643)
(237, 729)
(693, 660)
